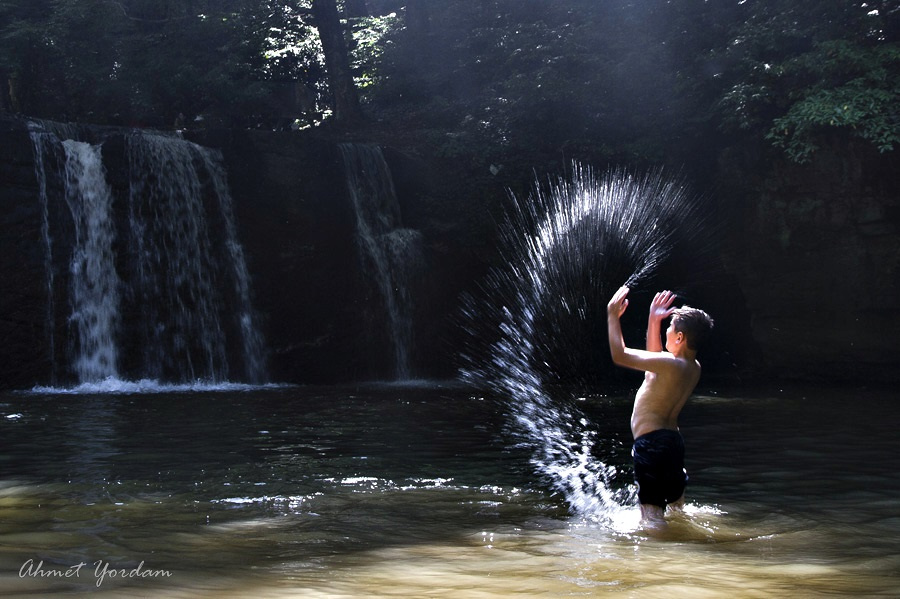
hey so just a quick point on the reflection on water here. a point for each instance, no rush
(411, 491)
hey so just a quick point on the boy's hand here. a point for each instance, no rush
(619, 302)
(661, 306)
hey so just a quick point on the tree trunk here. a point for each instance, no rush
(345, 100)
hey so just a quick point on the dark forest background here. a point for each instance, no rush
(522, 83)
(785, 114)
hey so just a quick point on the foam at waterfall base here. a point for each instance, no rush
(113, 386)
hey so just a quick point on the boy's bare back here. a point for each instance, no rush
(670, 377)
(661, 396)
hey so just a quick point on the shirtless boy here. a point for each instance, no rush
(669, 379)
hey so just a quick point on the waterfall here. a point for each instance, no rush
(42, 143)
(94, 281)
(158, 284)
(178, 199)
(252, 341)
(390, 253)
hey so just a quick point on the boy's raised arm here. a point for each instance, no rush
(614, 310)
(626, 356)
(660, 309)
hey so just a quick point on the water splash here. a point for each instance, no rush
(565, 251)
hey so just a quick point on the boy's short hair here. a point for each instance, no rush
(694, 323)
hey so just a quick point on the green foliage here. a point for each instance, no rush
(513, 82)
(143, 62)
(859, 92)
(291, 48)
(520, 81)
(370, 35)
(801, 72)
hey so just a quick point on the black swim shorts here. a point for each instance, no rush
(659, 467)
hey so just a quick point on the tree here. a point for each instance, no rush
(803, 71)
(29, 63)
(347, 110)
(143, 62)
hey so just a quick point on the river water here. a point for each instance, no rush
(415, 491)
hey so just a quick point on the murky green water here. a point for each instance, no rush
(413, 491)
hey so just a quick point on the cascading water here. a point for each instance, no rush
(94, 282)
(175, 271)
(158, 285)
(178, 201)
(41, 144)
(565, 252)
(253, 345)
(390, 252)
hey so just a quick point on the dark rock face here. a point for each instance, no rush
(816, 252)
(807, 288)
(323, 320)
(295, 221)
(24, 355)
